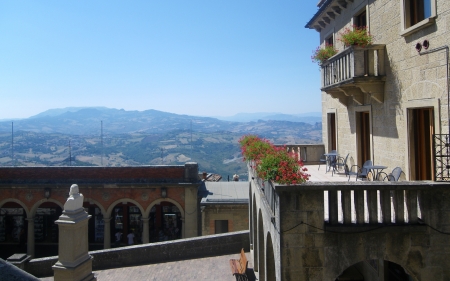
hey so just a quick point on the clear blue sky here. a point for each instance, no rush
(205, 58)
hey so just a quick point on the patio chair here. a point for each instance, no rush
(393, 176)
(360, 173)
(341, 164)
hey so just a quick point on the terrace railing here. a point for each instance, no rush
(441, 145)
(308, 153)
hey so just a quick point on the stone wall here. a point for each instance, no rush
(236, 215)
(199, 247)
(311, 249)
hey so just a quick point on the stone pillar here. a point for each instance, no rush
(107, 233)
(74, 262)
(145, 233)
(30, 237)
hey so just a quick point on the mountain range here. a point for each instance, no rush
(116, 137)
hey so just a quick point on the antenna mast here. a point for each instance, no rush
(101, 137)
(191, 141)
(12, 144)
(70, 154)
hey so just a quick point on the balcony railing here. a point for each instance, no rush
(353, 62)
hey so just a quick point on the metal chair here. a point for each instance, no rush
(341, 164)
(393, 176)
(360, 173)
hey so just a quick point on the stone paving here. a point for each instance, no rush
(318, 173)
(212, 268)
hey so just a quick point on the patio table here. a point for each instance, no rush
(376, 169)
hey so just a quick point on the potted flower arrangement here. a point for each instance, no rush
(320, 55)
(271, 162)
(358, 35)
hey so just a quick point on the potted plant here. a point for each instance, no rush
(357, 35)
(320, 55)
(271, 162)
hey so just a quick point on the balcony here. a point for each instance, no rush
(355, 73)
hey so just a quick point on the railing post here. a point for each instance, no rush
(372, 206)
(333, 207)
(346, 206)
(385, 202)
(399, 204)
(359, 206)
(412, 206)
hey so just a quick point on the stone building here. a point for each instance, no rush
(156, 203)
(387, 102)
(224, 207)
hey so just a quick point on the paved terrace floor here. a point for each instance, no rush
(318, 173)
(212, 268)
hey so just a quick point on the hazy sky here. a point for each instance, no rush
(208, 58)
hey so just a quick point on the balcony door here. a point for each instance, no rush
(421, 130)
(363, 136)
(332, 138)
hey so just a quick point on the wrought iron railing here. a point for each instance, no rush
(441, 149)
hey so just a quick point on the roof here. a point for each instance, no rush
(226, 192)
(323, 7)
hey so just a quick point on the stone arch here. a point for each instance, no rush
(38, 203)
(348, 269)
(424, 90)
(270, 259)
(111, 207)
(254, 234)
(261, 259)
(250, 210)
(98, 204)
(27, 212)
(158, 201)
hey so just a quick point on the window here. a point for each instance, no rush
(329, 41)
(221, 226)
(361, 19)
(417, 14)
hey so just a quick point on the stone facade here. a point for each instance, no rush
(144, 200)
(412, 81)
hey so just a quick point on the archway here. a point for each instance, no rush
(126, 222)
(270, 258)
(255, 237)
(46, 232)
(96, 225)
(166, 217)
(261, 259)
(372, 269)
(13, 229)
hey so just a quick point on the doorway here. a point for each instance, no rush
(363, 136)
(332, 138)
(421, 128)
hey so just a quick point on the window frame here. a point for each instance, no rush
(405, 17)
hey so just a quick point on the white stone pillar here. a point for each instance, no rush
(74, 261)
(30, 237)
(107, 233)
(145, 232)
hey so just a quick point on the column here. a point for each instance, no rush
(145, 232)
(30, 237)
(107, 233)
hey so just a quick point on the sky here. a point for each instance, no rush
(202, 58)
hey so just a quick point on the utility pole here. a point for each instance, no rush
(12, 144)
(70, 154)
(101, 139)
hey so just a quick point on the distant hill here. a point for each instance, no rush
(310, 117)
